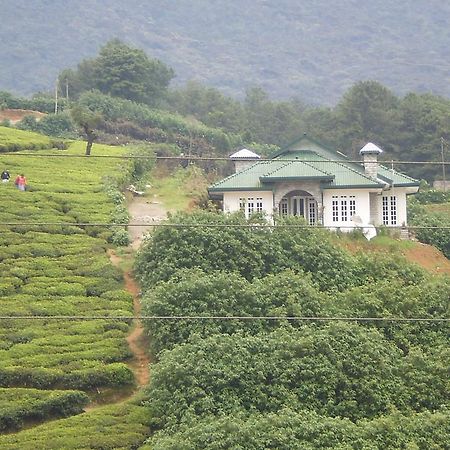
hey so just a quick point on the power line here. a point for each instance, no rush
(228, 318)
(211, 158)
(211, 225)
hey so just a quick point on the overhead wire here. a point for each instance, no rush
(211, 158)
(211, 225)
(228, 318)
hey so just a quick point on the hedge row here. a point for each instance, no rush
(99, 375)
(119, 427)
(12, 140)
(19, 405)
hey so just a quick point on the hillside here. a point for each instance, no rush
(305, 49)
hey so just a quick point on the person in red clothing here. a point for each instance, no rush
(21, 182)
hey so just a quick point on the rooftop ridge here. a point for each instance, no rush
(233, 175)
(316, 168)
(282, 167)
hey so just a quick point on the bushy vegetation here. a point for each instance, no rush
(39, 102)
(120, 427)
(19, 405)
(431, 209)
(173, 125)
(213, 241)
(336, 382)
(56, 125)
(287, 429)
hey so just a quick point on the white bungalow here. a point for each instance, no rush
(309, 180)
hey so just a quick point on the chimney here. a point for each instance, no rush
(369, 155)
(243, 158)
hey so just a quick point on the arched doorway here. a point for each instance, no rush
(299, 203)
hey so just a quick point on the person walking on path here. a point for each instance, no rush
(21, 182)
(5, 176)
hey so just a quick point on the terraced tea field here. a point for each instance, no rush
(51, 269)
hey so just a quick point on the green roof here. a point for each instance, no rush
(396, 178)
(296, 171)
(305, 159)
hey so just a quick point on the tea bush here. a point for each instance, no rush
(120, 427)
(61, 270)
(20, 405)
(12, 140)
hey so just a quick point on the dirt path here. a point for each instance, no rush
(141, 209)
(145, 210)
(136, 339)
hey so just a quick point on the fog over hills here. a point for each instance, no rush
(310, 49)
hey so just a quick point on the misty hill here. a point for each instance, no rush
(311, 49)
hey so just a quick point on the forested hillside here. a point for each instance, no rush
(311, 49)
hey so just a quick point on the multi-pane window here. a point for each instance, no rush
(335, 208)
(389, 210)
(312, 212)
(242, 202)
(284, 207)
(343, 207)
(259, 204)
(385, 211)
(352, 205)
(250, 205)
(393, 210)
(344, 215)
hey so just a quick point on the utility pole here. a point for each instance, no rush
(67, 89)
(56, 96)
(443, 163)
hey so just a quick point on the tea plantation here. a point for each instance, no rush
(64, 270)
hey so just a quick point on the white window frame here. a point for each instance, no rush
(389, 209)
(284, 207)
(242, 203)
(344, 208)
(259, 204)
(250, 206)
(352, 206)
(335, 208)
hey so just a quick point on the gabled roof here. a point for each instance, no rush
(306, 159)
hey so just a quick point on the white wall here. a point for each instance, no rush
(362, 206)
(231, 200)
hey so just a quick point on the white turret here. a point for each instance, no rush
(243, 159)
(370, 154)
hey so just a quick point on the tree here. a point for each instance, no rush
(121, 71)
(366, 112)
(88, 120)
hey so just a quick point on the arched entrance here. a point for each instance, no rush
(299, 203)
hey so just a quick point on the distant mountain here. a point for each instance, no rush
(311, 49)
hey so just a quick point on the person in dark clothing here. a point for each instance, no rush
(5, 176)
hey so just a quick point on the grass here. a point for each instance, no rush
(178, 189)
